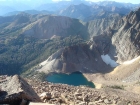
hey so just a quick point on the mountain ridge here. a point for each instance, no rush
(109, 43)
(105, 49)
(55, 6)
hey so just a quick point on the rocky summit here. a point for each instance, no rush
(13, 89)
(29, 91)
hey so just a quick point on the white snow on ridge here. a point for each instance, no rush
(43, 63)
(106, 58)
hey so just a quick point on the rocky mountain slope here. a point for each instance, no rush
(76, 11)
(83, 95)
(104, 15)
(75, 58)
(32, 12)
(116, 4)
(34, 92)
(98, 26)
(105, 50)
(126, 39)
(84, 12)
(24, 37)
(61, 5)
(48, 26)
(125, 51)
(27, 40)
(118, 43)
(38, 26)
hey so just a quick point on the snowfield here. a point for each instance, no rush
(106, 58)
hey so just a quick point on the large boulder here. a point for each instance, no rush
(14, 89)
(45, 96)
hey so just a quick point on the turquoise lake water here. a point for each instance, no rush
(75, 79)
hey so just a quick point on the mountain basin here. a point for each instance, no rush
(75, 79)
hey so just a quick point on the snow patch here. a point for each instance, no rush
(91, 47)
(106, 58)
(43, 63)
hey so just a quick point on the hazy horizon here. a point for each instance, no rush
(51, 1)
(21, 5)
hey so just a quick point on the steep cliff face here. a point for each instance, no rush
(124, 35)
(98, 26)
(126, 38)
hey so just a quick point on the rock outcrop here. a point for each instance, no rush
(126, 37)
(14, 89)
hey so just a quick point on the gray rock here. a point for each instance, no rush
(45, 95)
(16, 88)
(107, 101)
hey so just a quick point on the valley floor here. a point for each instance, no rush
(126, 76)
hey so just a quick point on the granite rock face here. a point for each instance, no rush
(99, 26)
(126, 38)
(14, 89)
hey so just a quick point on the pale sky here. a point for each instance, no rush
(125, 1)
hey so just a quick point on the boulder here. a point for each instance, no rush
(107, 101)
(77, 94)
(45, 95)
(15, 89)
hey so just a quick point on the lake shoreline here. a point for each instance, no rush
(78, 79)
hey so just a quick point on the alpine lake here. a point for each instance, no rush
(75, 79)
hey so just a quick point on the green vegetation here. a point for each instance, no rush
(138, 82)
(117, 87)
(79, 28)
(20, 53)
